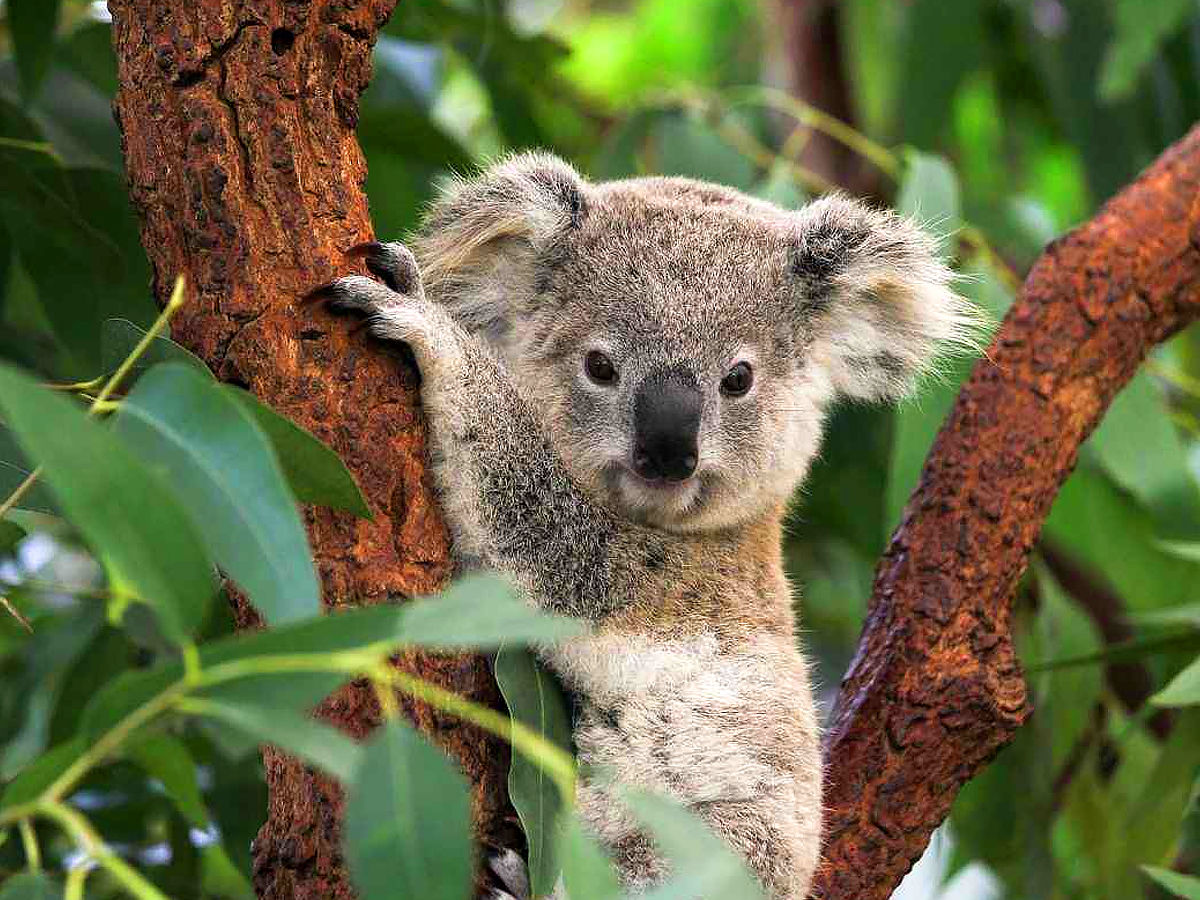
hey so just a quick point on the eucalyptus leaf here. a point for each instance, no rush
(701, 863)
(129, 514)
(1138, 446)
(316, 474)
(407, 823)
(222, 466)
(587, 871)
(536, 700)
(42, 772)
(481, 611)
(298, 734)
(15, 467)
(1179, 885)
(930, 193)
(119, 337)
(30, 886)
(1183, 689)
(32, 24)
(167, 758)
(1141, 29)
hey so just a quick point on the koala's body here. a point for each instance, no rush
(625, 383)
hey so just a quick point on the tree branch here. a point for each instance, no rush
(935, 690)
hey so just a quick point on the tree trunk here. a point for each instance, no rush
(934, 691)
(238, 119)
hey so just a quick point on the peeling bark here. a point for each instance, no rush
(237, 118)
(935, 691)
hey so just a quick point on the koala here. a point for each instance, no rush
(625, 382)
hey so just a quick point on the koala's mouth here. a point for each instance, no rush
(657, 500)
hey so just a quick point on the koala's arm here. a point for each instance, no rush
(505, 491)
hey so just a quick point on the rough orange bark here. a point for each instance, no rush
(238, 123)
(934, 690)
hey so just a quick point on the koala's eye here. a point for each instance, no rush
(737, 380)
(599, 368)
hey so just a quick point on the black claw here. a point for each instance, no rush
(367, 248)
(321, 293)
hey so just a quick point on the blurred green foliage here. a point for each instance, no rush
(999, 123)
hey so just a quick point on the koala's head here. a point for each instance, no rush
(680, 341)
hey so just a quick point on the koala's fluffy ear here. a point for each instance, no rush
(483, 236)
(875, 298)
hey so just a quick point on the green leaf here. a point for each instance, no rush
(128, 514)
(77, 239)
(930, 193)
(536, 700)
(30, 886)
(686, 145)
(298, 734)
(481, 611)
(1133, 650)
(11, 534)
(223, 467)
(1189, 550)
(1183, 689)
(927, 88)
(1066, 697)
(1180, 885)
(119, 337)
(315, 473)
(779, 186)
(125, 693)
(41, 773)
(407, 824)
(1138, 446)
(1158, 803)
(1091, 516)
(1141, 29)
(701, 863)
(32, 24)
(167, 758)
(587, 871)
(14, 469)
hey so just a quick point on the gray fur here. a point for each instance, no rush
(690, 680)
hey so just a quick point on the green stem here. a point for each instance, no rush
(33, 854)
(31, 146)
(550, 759)
(173, 304)
(21, 489)
(81, 831)
(100, 403)
(554, 761)
(75, 880)
(820, 121)
(77, 386)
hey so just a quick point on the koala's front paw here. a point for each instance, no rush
(394, 264)
(396, 310)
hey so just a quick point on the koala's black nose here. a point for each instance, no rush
(666, 416)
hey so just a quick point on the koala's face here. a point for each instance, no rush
(681, 342)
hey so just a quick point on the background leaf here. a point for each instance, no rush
(129, 515)
(407, 821)
(224, 469)
(536, 700)
(32, 23)
(315, 473)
